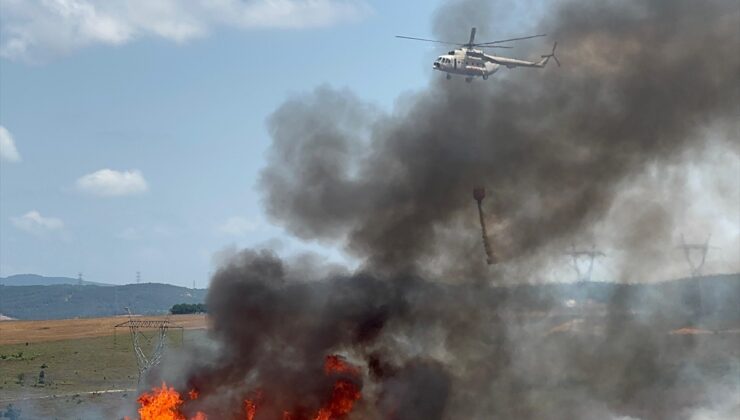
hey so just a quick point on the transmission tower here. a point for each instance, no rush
(695, 249)
(79, 279)
(577, 255)
(1, 295)
(479, 194)
(138, 277)
(115, 300)
(150, 333)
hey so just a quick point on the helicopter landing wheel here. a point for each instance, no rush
(468, 79)
(485, 77)
(448, 76)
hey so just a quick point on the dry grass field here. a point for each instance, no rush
(18, 332)
(86, 367)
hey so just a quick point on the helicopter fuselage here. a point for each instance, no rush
(466, 63)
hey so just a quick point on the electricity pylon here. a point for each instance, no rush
(157, 339)
(579, 254)
(691, 249)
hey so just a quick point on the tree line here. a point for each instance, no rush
(188, 308)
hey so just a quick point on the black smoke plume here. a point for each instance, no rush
(641, 83)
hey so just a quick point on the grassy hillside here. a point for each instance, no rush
(67, 301)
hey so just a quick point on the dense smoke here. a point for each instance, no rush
(641, 83)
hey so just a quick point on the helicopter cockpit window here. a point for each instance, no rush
(451, 53)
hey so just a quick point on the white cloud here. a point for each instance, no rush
(110, 183)
(237, 226)
(34, 222)
(8, 152)
(33, 28)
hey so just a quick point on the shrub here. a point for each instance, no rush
(188, 308)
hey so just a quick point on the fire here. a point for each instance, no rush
(342, 401)
(250, 407)
(161, 404)
(336, 364)
(165, 403)
(344, 395)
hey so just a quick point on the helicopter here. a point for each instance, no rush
(471, 61)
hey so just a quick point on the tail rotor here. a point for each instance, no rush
(552, 55)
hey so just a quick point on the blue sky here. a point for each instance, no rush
(178, 122)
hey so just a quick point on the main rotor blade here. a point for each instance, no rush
(472, 36)
(428, 40)
(492, 46)
(511, 39)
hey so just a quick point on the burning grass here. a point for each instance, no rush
(166, 403)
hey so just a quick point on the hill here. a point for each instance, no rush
(68, 301)
(36, 280)
(712, 299)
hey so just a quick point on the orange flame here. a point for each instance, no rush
(336, 364)
(345, 392)
(161, 404)
(250, 407)
(342, 401)
(164, 403)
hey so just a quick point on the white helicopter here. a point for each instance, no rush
(470, 61)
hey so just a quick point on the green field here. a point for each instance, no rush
(75, 371)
